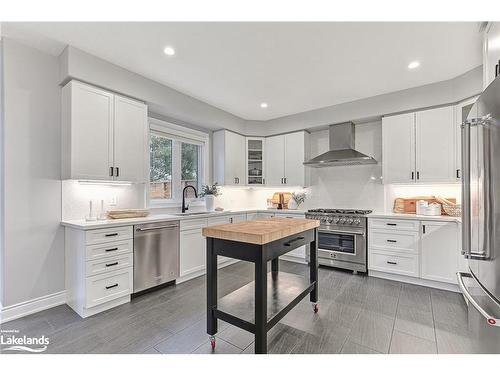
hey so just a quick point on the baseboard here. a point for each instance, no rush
(19, 310)
(415, 280)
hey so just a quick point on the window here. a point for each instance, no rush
(177, 159)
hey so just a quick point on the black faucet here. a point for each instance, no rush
(184, 207)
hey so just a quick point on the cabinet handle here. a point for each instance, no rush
(285, 180)
(412, 175)
(111, 234)
(111, 171)
(423, 229)
(112, 286)
(117, 172)
(389, 262)
(112, 249)
(393, 241)
(458, 173)
(391, 224)
(231, 220)
(111, 264)
(289, 243)
(263, 181)
(418, 175)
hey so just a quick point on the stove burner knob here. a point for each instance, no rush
(357, 221)
(349, 220)
(335, 220)
(330, 220)
(342, 220)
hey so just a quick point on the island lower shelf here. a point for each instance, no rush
(284, 291)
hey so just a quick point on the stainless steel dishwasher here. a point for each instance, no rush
(156, 254)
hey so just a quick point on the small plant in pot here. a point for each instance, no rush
(210, 192)
(297, 200)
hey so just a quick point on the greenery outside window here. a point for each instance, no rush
(177, 159)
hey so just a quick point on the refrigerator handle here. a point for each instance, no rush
(492, 321)
(466, 222)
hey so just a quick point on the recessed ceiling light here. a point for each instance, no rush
(413, 65)
(169, 51)
(263, 105)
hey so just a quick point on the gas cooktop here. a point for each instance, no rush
(344, 211)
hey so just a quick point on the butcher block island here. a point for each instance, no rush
(259, 305)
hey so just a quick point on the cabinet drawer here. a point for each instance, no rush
(410, 225)
(109, 249)
(220, 220)
(394, 263)
(193, 224)
(96, 267)
(108, 235)
(394, 240)
(108, 286)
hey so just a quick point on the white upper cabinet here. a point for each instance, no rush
(461, 113)
(285, 155)
(87, 138)
(439, 243)
(104, 136)
(419, 146)
(275, 160)
(229, 158)
(130, 140)
(398, 148)
(435, 158)
(491, 52)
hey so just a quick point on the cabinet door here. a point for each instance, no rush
(275, 160)
(130, 140)
(439, 251)
(255, 161)
(90, 126)
(435, 157)
(398, 147)
(461, 112)
(491, 52)
(294, 159)
(234, 159)
(192, 251)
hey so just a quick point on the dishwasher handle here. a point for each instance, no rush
(156, 228)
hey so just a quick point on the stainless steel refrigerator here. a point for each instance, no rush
(480, 286)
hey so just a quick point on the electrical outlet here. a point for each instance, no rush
(113, 201)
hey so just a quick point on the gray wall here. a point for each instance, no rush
(160, 98)
(34, 240)
(435, 94)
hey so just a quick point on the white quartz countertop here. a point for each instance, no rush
(87, 225)
(392, 215)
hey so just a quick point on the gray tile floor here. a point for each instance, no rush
(358, 314)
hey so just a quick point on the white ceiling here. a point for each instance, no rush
(294, 67)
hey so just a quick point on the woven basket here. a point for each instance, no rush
(455, 210)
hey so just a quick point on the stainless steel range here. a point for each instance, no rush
(341, 237)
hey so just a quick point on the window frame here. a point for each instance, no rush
(178, 134)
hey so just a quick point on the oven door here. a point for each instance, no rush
(342, 245)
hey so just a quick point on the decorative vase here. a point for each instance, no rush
(210, 202)
(292, 205)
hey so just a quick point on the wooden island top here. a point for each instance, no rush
(260, 231)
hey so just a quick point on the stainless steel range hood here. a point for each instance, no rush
(342, 150)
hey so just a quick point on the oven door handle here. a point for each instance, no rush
(341, 231)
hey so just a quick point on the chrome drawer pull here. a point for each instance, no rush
(112, 249)
(389, 262)
(393, 241)
(289, 243)
(111, 264)
(112, 286)
(111, 234)
(391, 224)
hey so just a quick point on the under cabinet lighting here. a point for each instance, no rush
(108, 183)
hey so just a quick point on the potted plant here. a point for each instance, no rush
(210, 192)
(297, 200)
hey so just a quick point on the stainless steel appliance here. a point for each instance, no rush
(341, 237)
(342, 152)
(481, 219)
(156, 254)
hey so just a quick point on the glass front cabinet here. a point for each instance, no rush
(255, 161)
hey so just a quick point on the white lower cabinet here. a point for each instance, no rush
(439, 251)
(99, 268)
(422, 252)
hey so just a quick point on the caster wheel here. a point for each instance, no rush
(315, 308)
(212, 342)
